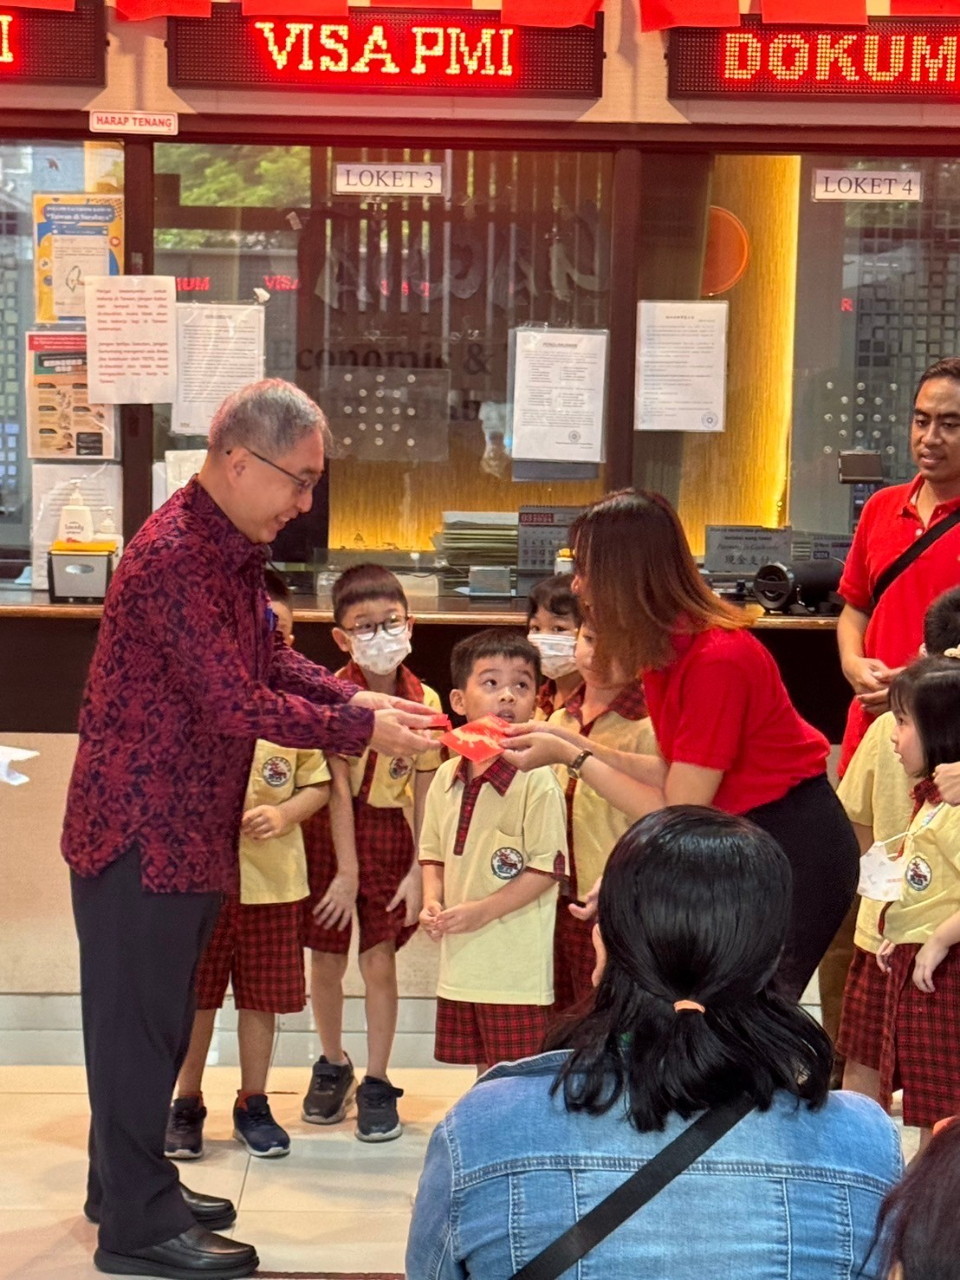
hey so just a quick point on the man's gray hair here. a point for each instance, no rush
(269, 417)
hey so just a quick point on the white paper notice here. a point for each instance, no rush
(132, 339)
(559, 393)
(219, 350)
(53, 482)
(10, 756)
(681, 366)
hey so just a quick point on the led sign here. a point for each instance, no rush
(905, 60)
(441, 51)
(48, 46)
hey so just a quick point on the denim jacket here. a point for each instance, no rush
(787, 1194)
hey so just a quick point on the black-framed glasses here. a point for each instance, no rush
(395, 626)
(303, 486)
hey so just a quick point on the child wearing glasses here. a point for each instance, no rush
(372, 624)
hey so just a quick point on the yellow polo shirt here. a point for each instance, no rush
(875, 792)
(275, 870)
(931, 881)
(595, 825)
(483, 834)
(391, 786)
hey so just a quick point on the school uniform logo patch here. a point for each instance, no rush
(399, 768)
(919, 876)
(277, 771)
(507, 863)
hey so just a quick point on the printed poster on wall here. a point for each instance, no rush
(220, 348)
(132, 339)
(559, 394)
(61, 421)
(75, 236)
(681, 382)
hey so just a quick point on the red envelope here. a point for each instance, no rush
(480, 740)
(437, 722)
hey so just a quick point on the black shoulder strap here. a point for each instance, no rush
(916, 549)
(633, 1194)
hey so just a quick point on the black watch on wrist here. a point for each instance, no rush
(575, 768)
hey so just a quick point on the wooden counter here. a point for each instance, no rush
(45, 650)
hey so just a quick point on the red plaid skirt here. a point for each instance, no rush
(258, 949)
(471, 1034)
(921, 1040)
(384, 856)
(574, 959)
(860, 1038)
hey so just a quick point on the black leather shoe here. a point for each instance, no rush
(213, 1212)
(194, 1253)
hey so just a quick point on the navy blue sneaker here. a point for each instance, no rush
(331, 1091)
(377, 1118)
(184, 1140)
(255, 1127)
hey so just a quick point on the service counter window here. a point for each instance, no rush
(396, 313)
(61, 219)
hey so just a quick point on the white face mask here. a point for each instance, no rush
(382, 654)
(556, 653)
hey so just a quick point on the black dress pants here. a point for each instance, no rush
(812, 829)
(138, 957)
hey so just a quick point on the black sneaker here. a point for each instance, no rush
(184, 1140)
(377, 1119)
(255, 1127)
(331, 1092)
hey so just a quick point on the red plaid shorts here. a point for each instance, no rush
(860, 1038)
(921, 1040)
(384, 856)
(470, 1034)
(259, 950)
(574, 959)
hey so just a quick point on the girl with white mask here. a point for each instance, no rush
(553, 620)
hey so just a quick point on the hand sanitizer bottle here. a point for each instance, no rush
(107, 532)
(76, 521)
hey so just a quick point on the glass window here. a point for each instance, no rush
(395, 315)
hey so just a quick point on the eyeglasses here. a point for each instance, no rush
(303, 486)
(395, 626)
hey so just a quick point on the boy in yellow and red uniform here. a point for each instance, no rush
(373, 625)
(492, 848)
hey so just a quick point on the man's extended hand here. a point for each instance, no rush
(870, 680)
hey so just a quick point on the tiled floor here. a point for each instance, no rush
(334, 1203)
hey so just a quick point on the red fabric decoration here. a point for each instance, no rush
(63, 5)
(924, 8)
(659, 15)
(819, 13)
(141, 10)
(297, 8)
(550, 13)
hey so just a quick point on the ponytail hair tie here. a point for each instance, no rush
(952, 653)
(691, 1006)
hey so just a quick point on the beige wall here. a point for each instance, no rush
(634, 79)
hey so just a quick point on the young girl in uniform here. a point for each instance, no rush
(919, 953)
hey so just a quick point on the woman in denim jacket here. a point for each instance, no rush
(692, 917)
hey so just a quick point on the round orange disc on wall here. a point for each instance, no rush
(728, 252)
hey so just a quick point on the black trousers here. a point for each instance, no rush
(812, 829)
(138, 957)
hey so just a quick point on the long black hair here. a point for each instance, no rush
(694, 905)
(919, 1224)
(929, 691)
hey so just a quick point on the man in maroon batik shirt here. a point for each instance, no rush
(187, 674)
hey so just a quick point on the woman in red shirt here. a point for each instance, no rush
(728, 733)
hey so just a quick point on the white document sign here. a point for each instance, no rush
(681, 381)
(868, 185)
(559, 395)
(353, 178)
(53, 483)
(219, 350)
(131, 339)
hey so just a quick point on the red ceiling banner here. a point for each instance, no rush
(140, 10)
(818, 13)
(660, 15)
(526, 13)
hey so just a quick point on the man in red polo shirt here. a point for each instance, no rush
(876, 642)
(877, 639)
(188, 672)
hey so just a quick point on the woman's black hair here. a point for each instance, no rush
(919, 1223)
(929, 691)
(694, 905)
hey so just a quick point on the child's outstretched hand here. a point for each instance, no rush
(428, 919)
(410, 896)
(265, 822)
(335, 908)
(884, 954)
(931, 954)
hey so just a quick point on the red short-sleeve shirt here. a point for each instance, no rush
(721, 704)
(889, 524)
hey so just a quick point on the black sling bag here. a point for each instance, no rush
(633, 1194)
(916, 549)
